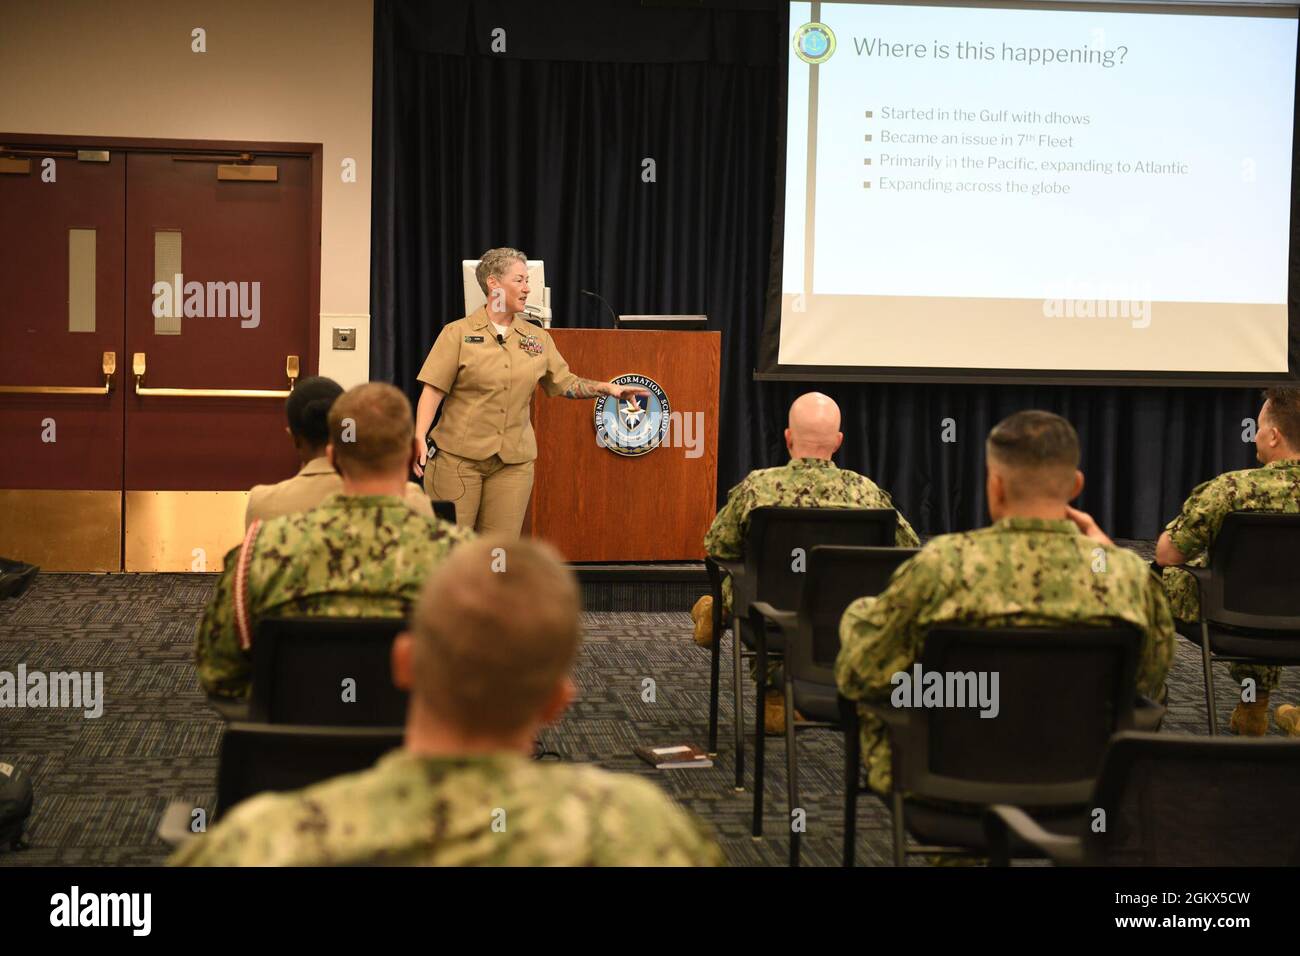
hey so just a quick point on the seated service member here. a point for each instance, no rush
(1188, 539)
(809, 480)
(487, 664)
(360, 553)
(1033, 567)
(307, 409)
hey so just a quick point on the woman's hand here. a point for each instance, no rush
(624, 391)
(421, 459)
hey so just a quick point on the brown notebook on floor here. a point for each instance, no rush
(677, 757)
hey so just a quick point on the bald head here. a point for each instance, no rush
(494, 634)
(814, 430)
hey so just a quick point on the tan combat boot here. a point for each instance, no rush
(702, 615)
(1250, 720)
(774, 712)
(1288, 718)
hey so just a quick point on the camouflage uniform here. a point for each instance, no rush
(351, 555)
(802, 483)
(483, 810)
(1274, 487)
(1024, 572)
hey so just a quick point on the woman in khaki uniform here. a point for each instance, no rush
(482, 372)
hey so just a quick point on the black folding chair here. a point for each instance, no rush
(1250, 595)
(256, 758)
(326, 671)
(1061, 694)
(1165, 800)
(776, 553)
(836, 577)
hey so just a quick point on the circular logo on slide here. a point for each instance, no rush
(814, 43)
(635, 425)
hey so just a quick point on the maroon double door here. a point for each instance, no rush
(146, 466)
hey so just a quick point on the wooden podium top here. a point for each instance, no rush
(594, 504)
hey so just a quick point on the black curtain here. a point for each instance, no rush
(543, 145)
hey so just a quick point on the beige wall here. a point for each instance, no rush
(277, 70)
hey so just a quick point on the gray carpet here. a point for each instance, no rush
(102, 785)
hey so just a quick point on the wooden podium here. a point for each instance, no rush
(596, 505)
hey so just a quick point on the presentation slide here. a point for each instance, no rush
(992, 187)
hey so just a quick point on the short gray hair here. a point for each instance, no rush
(495, 262)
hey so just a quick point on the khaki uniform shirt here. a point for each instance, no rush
(484, 810)
(488, 386)
(315, 482)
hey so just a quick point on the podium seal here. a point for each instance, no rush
(636, 425)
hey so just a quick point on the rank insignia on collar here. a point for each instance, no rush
(531, 344)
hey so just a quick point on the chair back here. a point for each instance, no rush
(1026, 712)
(837, 576)
(326, 671)
(1254, 573)
(1197, 801)
(779, 540)
(256, 758)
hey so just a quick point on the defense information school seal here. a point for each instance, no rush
(814, 42)
(635, 425)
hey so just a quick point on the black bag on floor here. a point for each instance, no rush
(15, 806)
(15, 576)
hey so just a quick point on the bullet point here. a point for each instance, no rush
(868, 114)
(868, 137)
(867, 184)
(867, 161)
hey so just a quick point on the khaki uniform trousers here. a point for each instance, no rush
(490, 496)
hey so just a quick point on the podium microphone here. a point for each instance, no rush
(602, 300)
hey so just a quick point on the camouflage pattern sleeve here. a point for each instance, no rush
(231, 842)
(641, 826)
(1158, 648)
(726, 536)
(879, 636)
(905, 536)
(223, 667)
(1202, 515)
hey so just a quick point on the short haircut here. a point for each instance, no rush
(1040, 449)
(371, 429)
(495, 631)
(495, 262)
(1284, 412)
(308, 408)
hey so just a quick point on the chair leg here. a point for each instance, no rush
(1206, 663)
(852, 780)
(791, 771)
(900, 831)
(715, 655)
(760, 736)
(739, 712)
